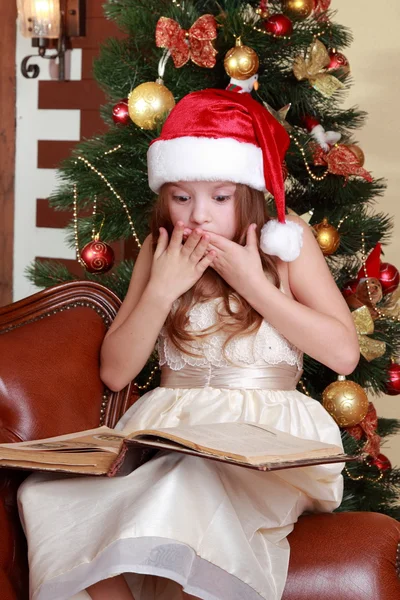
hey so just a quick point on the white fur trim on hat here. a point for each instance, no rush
(205, 159)
(282, 239)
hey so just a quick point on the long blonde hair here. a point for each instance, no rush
(250, 207)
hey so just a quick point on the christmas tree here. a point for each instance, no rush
(292, 50)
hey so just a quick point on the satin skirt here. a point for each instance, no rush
(181, 524)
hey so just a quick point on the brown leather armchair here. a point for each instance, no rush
(50, 385)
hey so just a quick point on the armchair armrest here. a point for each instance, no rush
(344, 556)
(49, 385)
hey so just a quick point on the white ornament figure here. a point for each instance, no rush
(243, 86)
(325, 139)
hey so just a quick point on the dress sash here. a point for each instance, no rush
(269, 377)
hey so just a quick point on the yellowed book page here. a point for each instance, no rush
(88, 466)
(246, 441)
(101, 439)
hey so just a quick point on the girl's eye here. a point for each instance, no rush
(181, 198)
(222, 198)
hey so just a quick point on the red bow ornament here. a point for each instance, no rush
(367, 428)
(194, 44)
(321, 5)
(340, 161)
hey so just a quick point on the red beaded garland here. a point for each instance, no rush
(279, 25)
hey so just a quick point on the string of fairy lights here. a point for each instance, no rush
(114, 192)
(303, 154)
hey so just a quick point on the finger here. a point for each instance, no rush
(206, 261)
(214, 265)
(219, 241)
(177, 235)
(251, 236)
(194, 238)
(212, 247)
(186, 233)
(162, 242)
(200, 249)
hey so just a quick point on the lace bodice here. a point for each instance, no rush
(266, 346)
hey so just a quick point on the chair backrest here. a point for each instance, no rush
(49, 363)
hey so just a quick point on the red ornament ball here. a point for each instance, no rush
(338, 61)
(389, 277)
(393, 385)
(381, 462)
(279, 25)
(97, 256)
(120, 113)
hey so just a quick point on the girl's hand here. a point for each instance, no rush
(240, 266)
(176, 267)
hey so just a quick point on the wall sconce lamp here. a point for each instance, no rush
(50, 24)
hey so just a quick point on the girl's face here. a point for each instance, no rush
(206, 205)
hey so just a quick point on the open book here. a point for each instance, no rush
(104, 451)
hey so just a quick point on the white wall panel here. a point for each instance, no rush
(30, 182)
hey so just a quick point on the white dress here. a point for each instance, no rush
(179, 522)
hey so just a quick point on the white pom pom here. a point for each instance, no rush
(318, 134)
(282, 239)
(325, 138)
(332, 137)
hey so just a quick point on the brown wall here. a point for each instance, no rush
(8, 15)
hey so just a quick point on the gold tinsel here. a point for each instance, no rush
(313, 68)
(369, 348)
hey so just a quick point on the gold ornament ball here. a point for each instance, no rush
(298, 9)
(356, 150)
(241, 62)
(346, 402)
(327, 236)
(148, 103)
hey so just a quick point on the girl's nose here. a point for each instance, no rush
(200, 214)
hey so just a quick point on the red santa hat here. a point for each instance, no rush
(219, 135)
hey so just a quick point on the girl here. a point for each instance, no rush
(234, 299)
